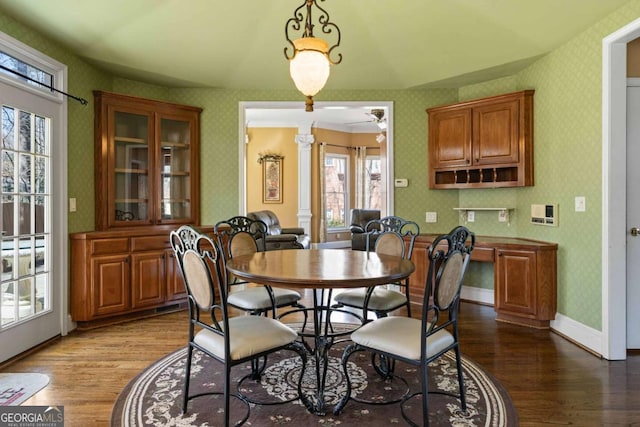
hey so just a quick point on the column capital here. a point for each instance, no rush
(305, 139)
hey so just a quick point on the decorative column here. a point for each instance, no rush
(304, 139)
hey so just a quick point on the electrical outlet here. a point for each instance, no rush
(471, 216)
(431, 217)
(581, 204)
(503, 216)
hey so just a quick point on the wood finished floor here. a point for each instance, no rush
(551, 380)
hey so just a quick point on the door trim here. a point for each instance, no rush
(614, 140)
(242, 141)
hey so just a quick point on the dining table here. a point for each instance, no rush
(322, 270)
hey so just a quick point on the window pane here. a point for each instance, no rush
(8, 172)
(373, 191)
(8, 119)
(25, 69)
(336, 196)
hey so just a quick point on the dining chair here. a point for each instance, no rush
(419, 342)
(390, 235)
(243, 236)
(229, 340)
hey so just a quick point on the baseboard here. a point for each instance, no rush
(582, 335)
(479, 295)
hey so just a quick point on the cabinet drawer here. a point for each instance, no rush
(149, 243)
(483, 254)
(109, 246)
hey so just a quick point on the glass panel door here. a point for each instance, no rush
(26, 290)
(132, 163)
(175, 166)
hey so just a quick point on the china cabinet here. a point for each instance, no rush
(146, 164)
(146, 184)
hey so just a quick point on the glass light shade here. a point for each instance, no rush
(309, 68)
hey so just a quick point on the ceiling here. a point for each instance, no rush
(385, 44)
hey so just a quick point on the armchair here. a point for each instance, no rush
(359, 220)
(279, 237)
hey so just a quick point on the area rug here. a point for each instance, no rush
(154, 397)
(18, 387)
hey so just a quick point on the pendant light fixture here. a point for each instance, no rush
(310, 61)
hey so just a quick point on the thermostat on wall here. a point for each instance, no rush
(544, 215)
(401, 182)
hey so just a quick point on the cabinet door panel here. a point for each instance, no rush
(516, 282)
(450, 138)
(175, 283)
(110, 285)
(147, 279)
(130, 166)
(495, 133)
(176, 154)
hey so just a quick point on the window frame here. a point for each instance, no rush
(347, 191)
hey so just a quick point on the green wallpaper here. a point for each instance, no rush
(219, 153)
(567, 152)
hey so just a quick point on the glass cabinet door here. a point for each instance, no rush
(175, 165)
(132, 162)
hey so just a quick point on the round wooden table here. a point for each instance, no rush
(321, 270)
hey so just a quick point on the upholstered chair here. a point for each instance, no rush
(279, 237)
(359, 220)
(230, 340)
(419, 342)
(390, 235)
(243, 236)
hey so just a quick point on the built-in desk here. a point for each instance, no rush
(525, 275)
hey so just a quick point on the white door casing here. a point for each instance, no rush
(633, 214)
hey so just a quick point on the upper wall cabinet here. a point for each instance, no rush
(484, 143)
(146, 162)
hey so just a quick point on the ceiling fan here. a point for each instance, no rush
(377, 117)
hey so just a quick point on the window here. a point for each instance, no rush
(9, 63)
(336, 187)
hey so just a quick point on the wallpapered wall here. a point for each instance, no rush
(567, 151)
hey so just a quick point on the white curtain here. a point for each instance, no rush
(323, 199)
(361, 177)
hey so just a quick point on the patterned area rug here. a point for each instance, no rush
(154, 397)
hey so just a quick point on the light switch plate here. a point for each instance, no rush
(581, 204)
(431, 217)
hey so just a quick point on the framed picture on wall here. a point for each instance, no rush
(272, 178)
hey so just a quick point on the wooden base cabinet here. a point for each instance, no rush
(123, 274)
(525, 274)
(525, 286)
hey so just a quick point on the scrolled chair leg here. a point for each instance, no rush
(257, 369)
(351, 348)
(383, 365)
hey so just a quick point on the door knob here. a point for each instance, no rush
(635, 231)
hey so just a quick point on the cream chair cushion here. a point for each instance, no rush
(248, 336)
(400, 336)
(381, 298)
(258, 298)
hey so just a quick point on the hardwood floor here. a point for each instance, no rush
(551, 380)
